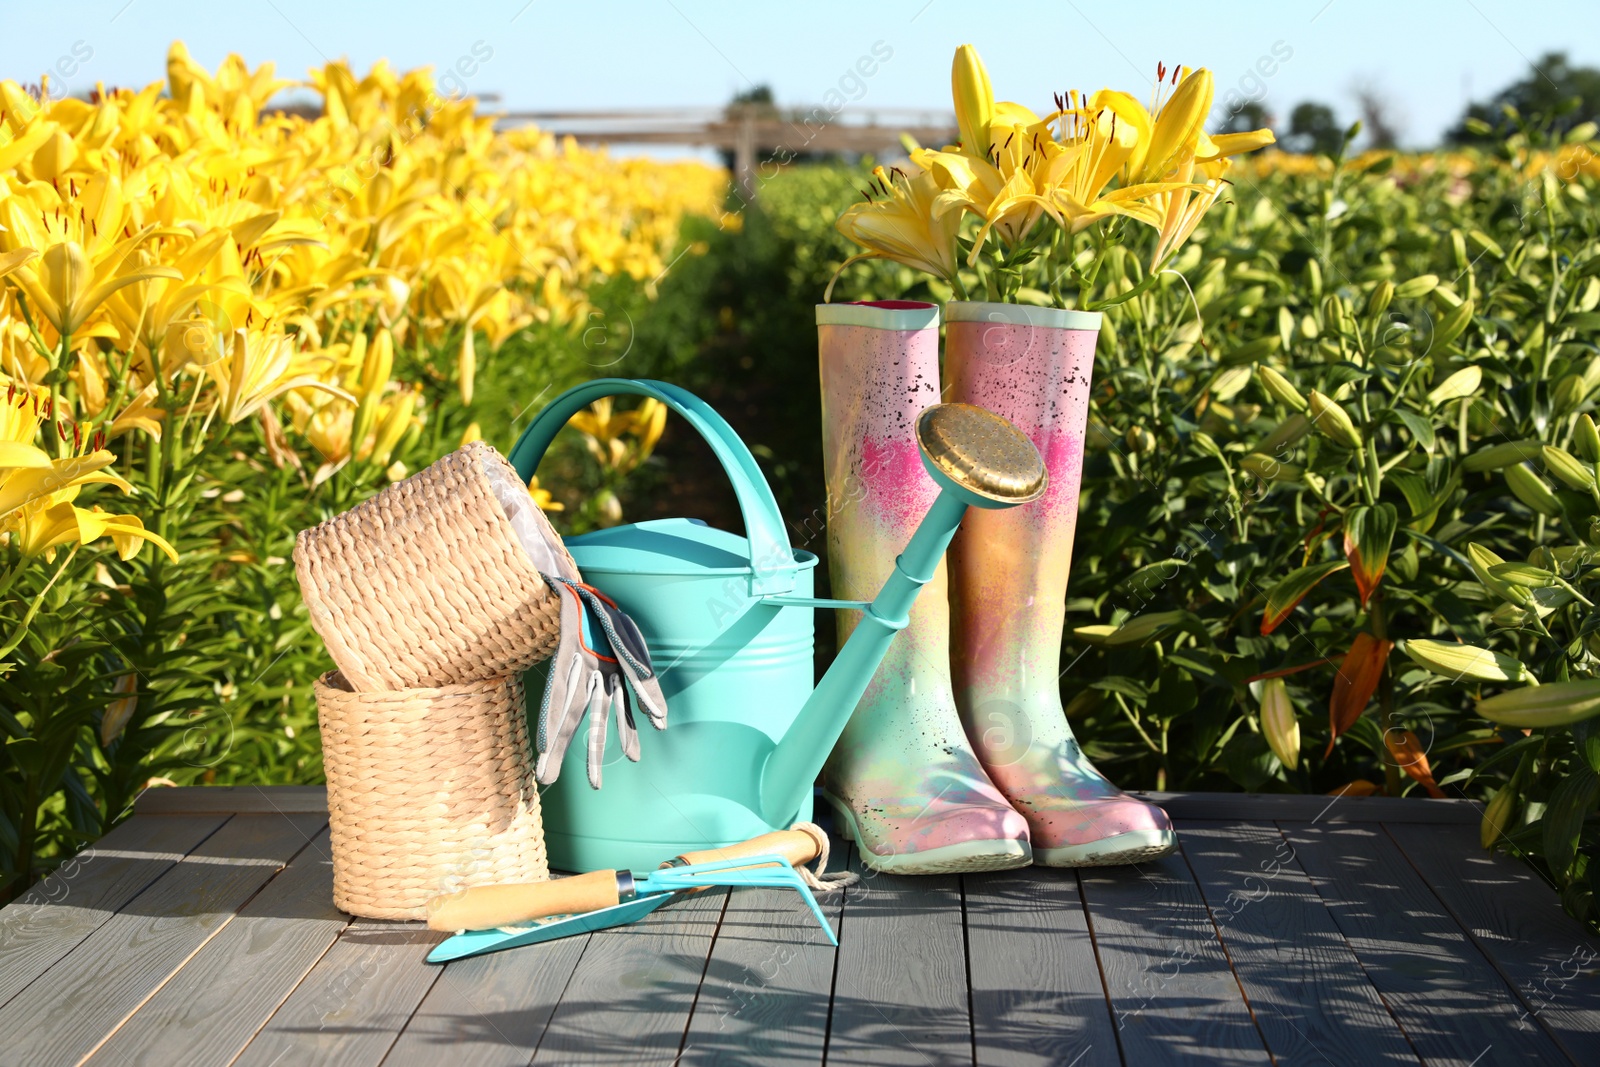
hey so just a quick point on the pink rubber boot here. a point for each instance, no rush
(1009, 584)
(905, 783)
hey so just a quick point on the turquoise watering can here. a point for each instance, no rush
(729, 623)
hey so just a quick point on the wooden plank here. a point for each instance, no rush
(1037, 997)
(1304, 985)
(489, 1010)
(213, 1006)
(1453, 1006)
(350, 1007)
(232, 800)
(630, 997)
(1516, 920)
(1173, 996)
(53, 917)
(900, 986)
(66, 1013)
(767, 987)
(1267, 807)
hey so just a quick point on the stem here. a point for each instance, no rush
(38, 602)
(1391, 769)
(56, 372)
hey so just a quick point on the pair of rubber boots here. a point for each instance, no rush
(959, 757)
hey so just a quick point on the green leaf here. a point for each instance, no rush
(1368, 536)
(1293, 589)
(1415, 487)
(1117, 683)
(1421, 429)
(1570, 804)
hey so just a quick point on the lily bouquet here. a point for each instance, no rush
(1050, 195)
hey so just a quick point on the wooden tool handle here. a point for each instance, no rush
(799, 847)
(486, 907)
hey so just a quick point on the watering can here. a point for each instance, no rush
(729, 624)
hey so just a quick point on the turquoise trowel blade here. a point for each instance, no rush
(477, 942)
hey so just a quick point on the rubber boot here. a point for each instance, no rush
(905, 784)
(1008, 588)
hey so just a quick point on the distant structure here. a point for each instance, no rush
(757, 135)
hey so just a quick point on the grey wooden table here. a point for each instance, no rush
(1295, 930)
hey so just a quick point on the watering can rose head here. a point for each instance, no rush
(1087, 164)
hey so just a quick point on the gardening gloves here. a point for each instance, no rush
(600, 660)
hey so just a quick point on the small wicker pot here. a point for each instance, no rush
(435, 581)
(429, 791)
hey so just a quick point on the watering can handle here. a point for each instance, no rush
(772, 560)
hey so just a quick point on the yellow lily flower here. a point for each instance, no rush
(905, 225)
(259, 365)
(41, 528)
(66, 289)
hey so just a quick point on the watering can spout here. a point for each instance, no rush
(977, 459)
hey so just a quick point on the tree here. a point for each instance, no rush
(1313, 128)
(1249, 115)
(1377, 119)
(1553, 91)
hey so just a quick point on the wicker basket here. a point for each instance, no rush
(435, 581)
(429, 791)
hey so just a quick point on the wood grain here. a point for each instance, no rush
(490, 1010)
(630, 997)
(1453, 1006)
(1304, 985)
(1517, 921)
(1174, 998)
(53, 917)
(900, 988)
(1266, 807)
(349, 1009)
(1037, 996)
(66, 1013)
(767, 987)
(232, 799)
(214, 1005)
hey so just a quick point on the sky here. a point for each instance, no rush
(1426, 57)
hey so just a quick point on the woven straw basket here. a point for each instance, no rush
(429, 791)
(435, 581)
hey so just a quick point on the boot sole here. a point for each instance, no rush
(1135, 846)
(970, 857)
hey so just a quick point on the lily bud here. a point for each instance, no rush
(1331, 421)
(1484, 243)
(1280, 388)
(974, 100)
(1482, 561)
(1556, 704)
(1499, 815)
(1454, 324)
(1265, 467)
(1279, 724)
(1141, 440)
(1378, 302)
(1289, 432)
(1502, 455)
(1568, 394)
(1463, 382)
(1456, 661)
(1567, 467)
(1531, 490)
(1587, 439)
(1420, 286)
